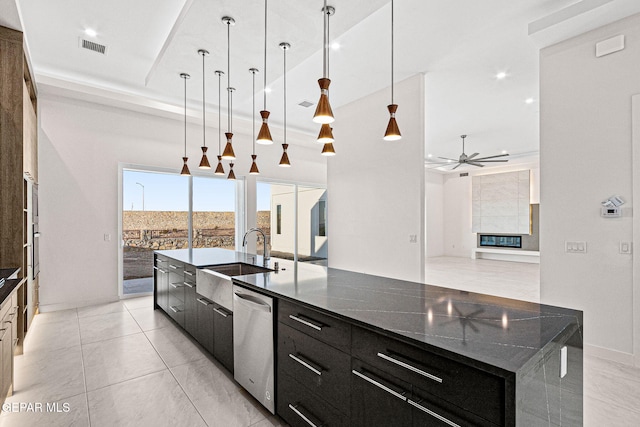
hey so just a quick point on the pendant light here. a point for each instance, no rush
(232, 175)
(327, 149)
(393, 132)
(185, 168)
(204, 162)
(254, 167)
(228, 153)
(219, 168)
(323, 112)
(284, 160)
(264, 136)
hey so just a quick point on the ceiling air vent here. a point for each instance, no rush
(464, 174)
(96, 47)
(306, 104)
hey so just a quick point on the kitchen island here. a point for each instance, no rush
(356, 349)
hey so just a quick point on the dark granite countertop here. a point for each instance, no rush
(5, 273)
(9, 285)
(503, 333)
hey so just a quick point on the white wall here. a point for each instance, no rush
(434, 203)
(585, 157)
(80, 147)
(458, 239)
(376, 188)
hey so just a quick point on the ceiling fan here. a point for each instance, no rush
(468, 160)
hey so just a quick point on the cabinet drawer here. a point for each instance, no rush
(176, 286)
(315, 365)
(327, 329)
(428, 410)
(162, 261)
(175, 309)
(302, 408)
(190, 274)
(469, 388)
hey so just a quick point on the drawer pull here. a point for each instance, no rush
(176, 285)
(409, 367)
(305, 364)
(173, 267)
(306, 322)
(159, 269)
(433, 414)
(301, 415)
(203, 301)
(174, 309)
(379, 385)
(187, 284)
(188, 273)
(220, 312)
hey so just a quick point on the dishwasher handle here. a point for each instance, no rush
(252, 302)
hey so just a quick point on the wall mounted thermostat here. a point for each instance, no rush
(611, 212)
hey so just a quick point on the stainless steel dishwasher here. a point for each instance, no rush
(253, 344)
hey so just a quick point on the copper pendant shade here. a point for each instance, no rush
(264, 135)
(204, 162)
(392, 133)
(323, 113)
(185, 168)
(284, 160)
(326, 134)
(232, 175)
(254, 167)
(328, 150)
(219, 168)
(228, 153)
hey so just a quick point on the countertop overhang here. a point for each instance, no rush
(500, 333)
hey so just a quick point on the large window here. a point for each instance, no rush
(164, 211)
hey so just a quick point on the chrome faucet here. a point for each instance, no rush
(266, 254)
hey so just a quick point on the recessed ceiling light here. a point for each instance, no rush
(504, 151)
(529, 100)
(429, 155)
(335, 45)
(501, 75)
(267, 89)
(449, 161)
(90, 32)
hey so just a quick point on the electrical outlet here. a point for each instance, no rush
(413, 238)
(626, 247)
(575, 247)
(107, 237)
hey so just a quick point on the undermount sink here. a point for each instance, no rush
(214, 282)
(238, 269)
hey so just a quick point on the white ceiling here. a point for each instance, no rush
(459, 44)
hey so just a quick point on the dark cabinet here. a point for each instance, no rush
(190, 301)
(161, 281)
(204, 320)
(176, 291)
(378, 398)
(223, 336)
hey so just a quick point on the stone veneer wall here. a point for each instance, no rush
(168, 229)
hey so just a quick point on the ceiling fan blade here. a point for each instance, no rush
(446, 158)
(491, 157)
(456, 166)
(472, 156)
(483, 161)
(475, 164)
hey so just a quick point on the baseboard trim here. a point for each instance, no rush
(608, 354)
(45, 308)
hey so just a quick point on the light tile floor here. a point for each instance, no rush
(124, 364)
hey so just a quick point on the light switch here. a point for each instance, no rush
(107, 237)
(575, 247)
(413, 238)
(626, 247)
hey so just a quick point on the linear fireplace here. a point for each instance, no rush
(500, 241)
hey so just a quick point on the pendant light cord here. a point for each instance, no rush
(219, 73)
(325, 52)
(392, 51)
(229, 106)
(264, 88)
(253, 115)
(204, 139)
(185, 116)
(285, 93)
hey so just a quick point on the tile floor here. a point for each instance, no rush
(124, 364)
